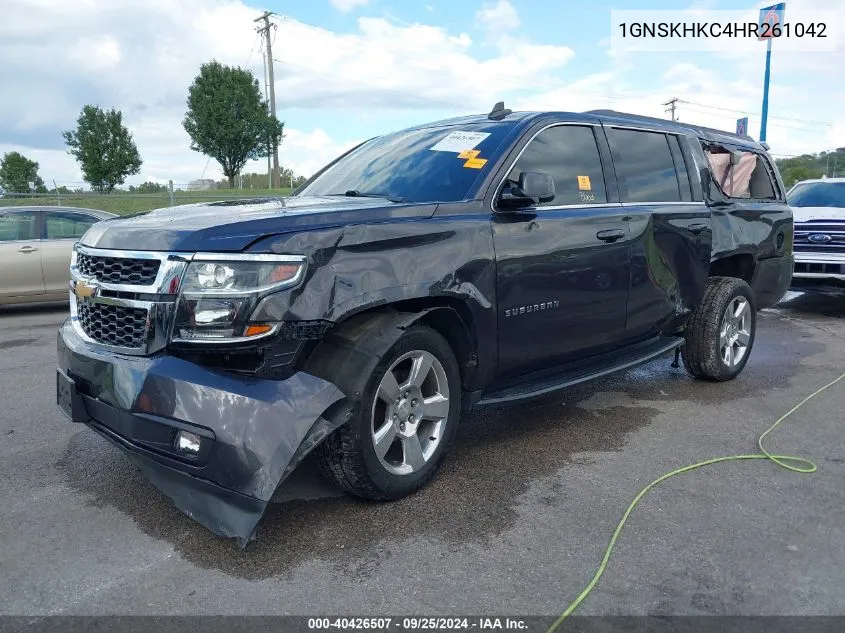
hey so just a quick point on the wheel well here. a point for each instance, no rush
(450, 318)
(740, 266)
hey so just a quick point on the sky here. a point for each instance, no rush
(347, 70)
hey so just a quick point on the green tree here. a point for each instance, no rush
(103, 147)
(148, 187)
(228, 120)
(808, 166)
(18, 174)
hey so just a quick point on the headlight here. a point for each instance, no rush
(220, 291)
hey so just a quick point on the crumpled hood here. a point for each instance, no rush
(232, 225)
(805, 214)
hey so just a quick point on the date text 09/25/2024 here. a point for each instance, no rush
(418, 624)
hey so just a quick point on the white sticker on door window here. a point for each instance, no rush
(460, 142)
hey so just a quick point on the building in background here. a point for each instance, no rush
(203, 184)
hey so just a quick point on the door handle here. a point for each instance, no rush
(695, 229)
(610, 235)
(27, 249)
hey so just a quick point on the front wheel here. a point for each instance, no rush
(408, 416)
(720, 334)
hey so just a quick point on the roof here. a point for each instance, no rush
(611, 117)
(830, 180)
(712, 134)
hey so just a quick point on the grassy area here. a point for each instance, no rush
(124, 203)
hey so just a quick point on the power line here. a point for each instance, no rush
(777, 125)
(252, 50)
(782, 118)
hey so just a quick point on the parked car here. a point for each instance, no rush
(35, 250)
(453, 265)
(819, 212)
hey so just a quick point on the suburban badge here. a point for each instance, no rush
(534, 307)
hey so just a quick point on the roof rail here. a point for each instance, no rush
(649, 119)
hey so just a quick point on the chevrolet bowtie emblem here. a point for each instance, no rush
(84, 291)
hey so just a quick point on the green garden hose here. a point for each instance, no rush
(789, 462)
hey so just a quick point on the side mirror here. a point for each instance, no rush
(534, 188)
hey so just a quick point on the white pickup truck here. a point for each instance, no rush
(818, 208)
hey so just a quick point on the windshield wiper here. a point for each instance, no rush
(354, 193)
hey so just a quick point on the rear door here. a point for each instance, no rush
(563, 267)
(62, 229)
(671, 232)
(20, 254)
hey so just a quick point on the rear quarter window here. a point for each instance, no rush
(645, 166)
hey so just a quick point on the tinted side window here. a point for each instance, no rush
(64, 225)
(644, 166)
(681, 166)
(569, 154)
(17, 226)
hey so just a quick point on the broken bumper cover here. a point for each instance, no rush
(252, 432)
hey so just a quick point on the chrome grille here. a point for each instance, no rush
(833, 229)
(115, 325)
(118, 270)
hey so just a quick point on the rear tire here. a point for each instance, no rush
(721, 332)
(407, 418)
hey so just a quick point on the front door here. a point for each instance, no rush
(563, 267)
(62, 229)
(20, 254)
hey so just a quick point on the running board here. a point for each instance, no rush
(555, 380)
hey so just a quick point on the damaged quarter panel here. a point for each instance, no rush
(446, 260)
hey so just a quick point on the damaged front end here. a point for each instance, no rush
(162, 357)
(239, 437)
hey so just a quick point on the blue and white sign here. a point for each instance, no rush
(770, 17)
(742, 126)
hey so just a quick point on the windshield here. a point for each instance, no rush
(424, 165)
(818, 194)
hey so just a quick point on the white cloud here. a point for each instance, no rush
(415, 66)
(497, 18)
(345, 6)
(141, 56)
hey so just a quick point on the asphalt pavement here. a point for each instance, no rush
(515, 523)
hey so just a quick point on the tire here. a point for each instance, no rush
(718, 345)
(354, 457)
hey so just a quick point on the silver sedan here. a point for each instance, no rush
(35, 249)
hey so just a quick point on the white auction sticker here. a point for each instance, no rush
(460, 142)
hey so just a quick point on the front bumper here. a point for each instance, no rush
(254, 431)
(819, 265)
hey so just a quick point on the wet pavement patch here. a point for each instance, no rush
(18, 342)
(497, 454)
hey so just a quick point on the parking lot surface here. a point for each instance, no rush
(516, 522)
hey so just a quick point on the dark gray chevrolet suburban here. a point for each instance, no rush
(456, 264)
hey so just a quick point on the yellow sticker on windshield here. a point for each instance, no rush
(469, 153)
(475, 163)
(584, 183)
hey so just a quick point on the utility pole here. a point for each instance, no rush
(671, 107)
(265, 30)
